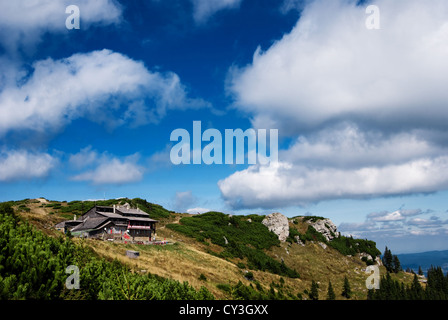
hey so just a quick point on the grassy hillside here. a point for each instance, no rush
(33, 266)
(241, 238)
(231, 256)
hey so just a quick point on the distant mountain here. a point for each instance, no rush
(425, 260)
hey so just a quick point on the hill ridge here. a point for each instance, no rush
(285, 268)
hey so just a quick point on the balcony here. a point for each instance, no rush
(137, 227)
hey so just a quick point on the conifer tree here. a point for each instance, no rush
(396, 264)
(346, 290)
(314, 292)
(416, 291)
(330, 293)
(388, 260)
(420, 271)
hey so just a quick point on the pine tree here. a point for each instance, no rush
(346, 290)
(396, 264)
(330, 293)
(388, 260)
(420, 271)
(314, 292)
(416, 291)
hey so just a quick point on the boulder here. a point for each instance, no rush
(298, 241)
(323, 245)
(365, 255)
(326, 227)
(277, 223)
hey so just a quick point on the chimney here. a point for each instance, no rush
(114, 208)
(74, 218)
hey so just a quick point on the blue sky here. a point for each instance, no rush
(361, 114)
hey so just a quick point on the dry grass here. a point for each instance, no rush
(178, 261)
(186, 259)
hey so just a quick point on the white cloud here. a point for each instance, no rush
(387, 216)
(365, 109)
(23, 22)
(21, 165)
(347, 146)
(396, 229)
(204, 9)
(84, 158)
(356, 227)
(297, 5)
(91, 84)
(330, 67)
(398, 220)
(284, 184)
(198, 210)
(432, 222)
(111, 170)
(184, 200)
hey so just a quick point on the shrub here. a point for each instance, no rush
(249, 276)
(32, 266)
(244, 239)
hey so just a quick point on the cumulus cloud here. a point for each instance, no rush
(83, 158)
(198, 210)
(365, 109)
(386, 216)
(284, 184)
(22, 165)
(105, 168)
(347, 146)
(93, 84)
(432, 222)
(397, 223)
(331, 67)
(183, 201)
(204, 9)
(22, 22)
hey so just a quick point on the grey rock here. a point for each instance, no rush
(326, 227)
(323, 245)
(298, 241)
(364, 254)
(277, 223)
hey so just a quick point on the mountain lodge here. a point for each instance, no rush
(112, 223)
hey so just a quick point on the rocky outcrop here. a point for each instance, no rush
(326, 227)
(298, 241)
(365, 255)
(277, 223)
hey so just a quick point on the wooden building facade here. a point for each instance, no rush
(113, 223)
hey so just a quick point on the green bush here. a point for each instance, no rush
(245, 238)
(32, 266)
(350, 246)
(243, 292)
(249, 276)
(293, 232)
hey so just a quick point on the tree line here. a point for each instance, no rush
(436, 288)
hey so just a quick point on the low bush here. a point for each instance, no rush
(33, 266)
(241, 236)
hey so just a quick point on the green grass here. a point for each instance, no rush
(350, 246)
(243, 237)
(32, 266)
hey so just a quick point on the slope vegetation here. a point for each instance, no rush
(231, 256)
